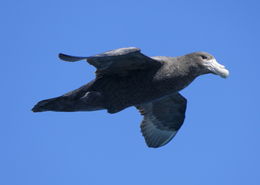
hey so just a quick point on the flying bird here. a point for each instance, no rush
(125, 77)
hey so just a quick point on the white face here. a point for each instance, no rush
(215, 67)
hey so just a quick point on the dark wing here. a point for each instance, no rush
(162, 119)
(116, 61)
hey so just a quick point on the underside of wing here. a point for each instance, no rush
(117, 61)
(162, 119)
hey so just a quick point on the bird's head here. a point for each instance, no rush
(208, 64)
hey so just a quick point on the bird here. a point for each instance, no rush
(126, 77)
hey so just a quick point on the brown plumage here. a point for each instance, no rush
(125, 77)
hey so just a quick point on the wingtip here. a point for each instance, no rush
(60, 55)
(63, 57)
(69, 58)
(154, 145)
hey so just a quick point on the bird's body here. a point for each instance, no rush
(138, 87)
(125, 77)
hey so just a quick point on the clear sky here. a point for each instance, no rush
(219, 141)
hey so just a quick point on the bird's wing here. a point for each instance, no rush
(162, 119)
(116, 61)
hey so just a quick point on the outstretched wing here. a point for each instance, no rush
(116, 61)
(162, 119)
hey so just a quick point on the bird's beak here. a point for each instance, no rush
(218, 69)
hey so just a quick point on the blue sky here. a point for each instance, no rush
(219, 141)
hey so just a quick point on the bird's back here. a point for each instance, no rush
(120, 92)
(139, 86)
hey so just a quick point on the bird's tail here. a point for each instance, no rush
(80, 99)
(52, 104)
(90, 101)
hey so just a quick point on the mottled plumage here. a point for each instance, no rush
(125, 77)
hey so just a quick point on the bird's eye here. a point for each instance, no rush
(203, 57)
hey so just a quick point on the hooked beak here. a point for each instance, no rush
(217, 68)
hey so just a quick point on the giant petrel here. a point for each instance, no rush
(125, 77)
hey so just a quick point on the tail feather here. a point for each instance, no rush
(89, 101)
(52, 104)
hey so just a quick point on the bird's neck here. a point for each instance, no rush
(175, 76)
